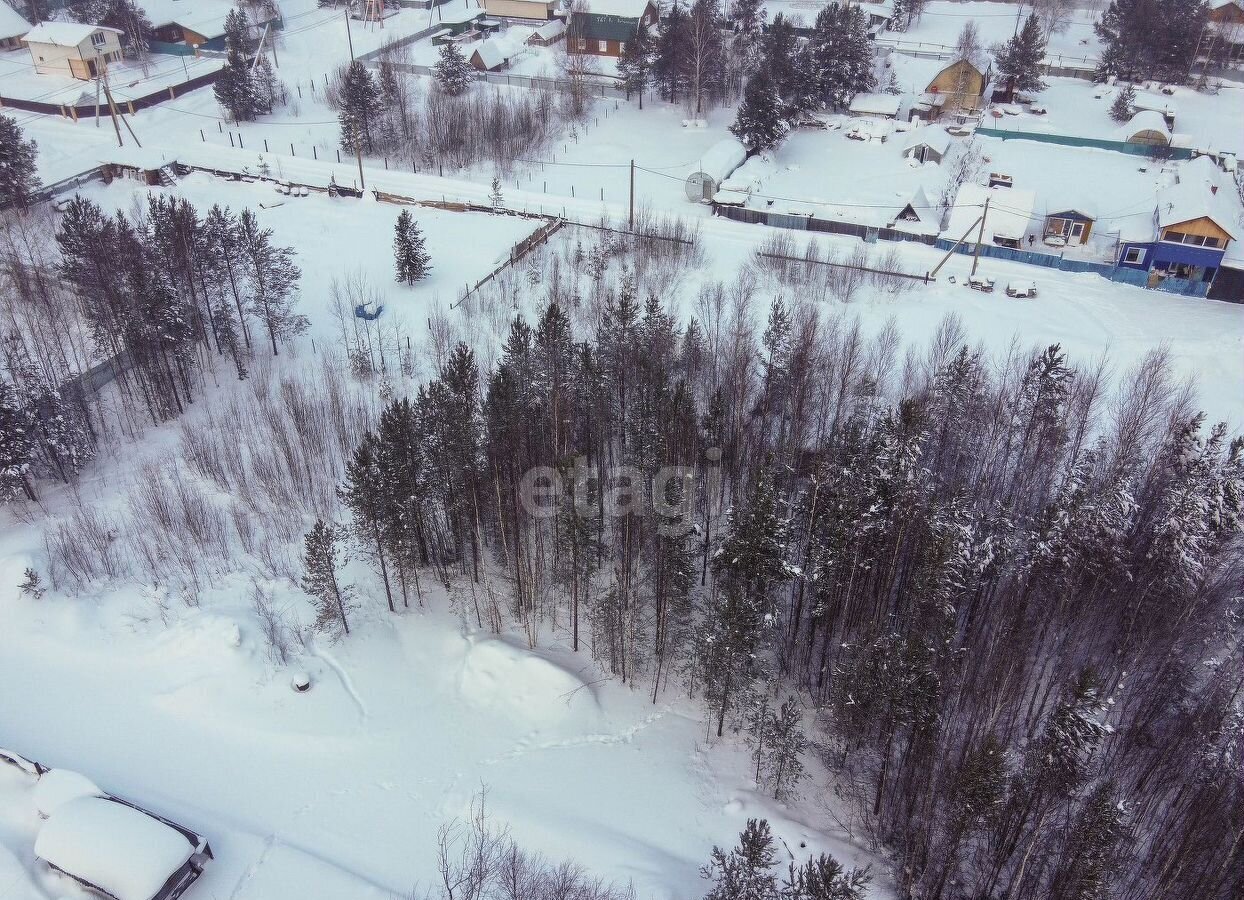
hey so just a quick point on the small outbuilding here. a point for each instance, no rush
(715, 166)
(1158, 103)
(548, 34)
(1146, 127)
(490, 56)
(875, 106)
(927, 144)
(67, 48)
(1071, 219)
(1006, 221)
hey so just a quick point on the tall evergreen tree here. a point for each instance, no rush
(761, 122)
(746, 872)
(360, 109)
(323, 559)
(235, 87)
(363, 494)
(1020, 59)
(16, 444)
(19, 181)
(453, 72)
(410, 255)
(635, 63)
(273, 280)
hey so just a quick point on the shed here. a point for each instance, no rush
(715, 166)
(927, 144)
(876, 106)
(1146, 127)
(1006, 222)
(12, 27)
(116, 849)
(548, 34)
(490, 55)
(1069, 217)
(917, 215)
(67, 48)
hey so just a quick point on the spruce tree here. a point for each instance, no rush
(1020, 59)
(761, 122)
(453, 72)
(495, 197)
(746, 872)
(323, 559)
(783, 763)
(17, 445)
(409, 254)
(360, 108)
(824, 878)
(669, 64)
(1121, 109)
(235, 87)
(18, 179)
(635, 63)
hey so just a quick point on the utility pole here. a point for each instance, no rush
(112, 110)
(980, 236)
(349, 37)
(97, 101)
(953, 248)
(358, 154)
(632, 215)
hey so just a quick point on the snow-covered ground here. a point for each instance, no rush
(941, 22)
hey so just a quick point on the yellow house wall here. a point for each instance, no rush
(518, 9)
(1203, 227)
(961, 84)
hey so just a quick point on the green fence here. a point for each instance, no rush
(1070, 140)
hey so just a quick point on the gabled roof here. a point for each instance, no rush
(490, 53)
(64, 34)
(1191, 199)
(934, 138)
(1156, 102)
(1010, 211)
(1068, 201)
(12, 23)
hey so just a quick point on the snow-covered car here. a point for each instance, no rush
(1037, 109)
(118, 850)
(1021, 289)
(981, 283)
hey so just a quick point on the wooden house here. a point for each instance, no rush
(1070, 219)
(12, 27)
(522, 10)
(73, 50)
(603, 27)
(927, 144)
(962, 84)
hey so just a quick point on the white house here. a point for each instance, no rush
(875, 106)
(1007, 221)
(67, 48)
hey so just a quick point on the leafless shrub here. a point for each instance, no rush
(278, 634)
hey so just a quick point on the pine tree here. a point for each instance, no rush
(669, 65)
(409, 254)
(235, 87)
(841, 54)
(1093, 849)
(746, 872)
(363, 494)
(453, 72)
(783, 764)
(273, 280)
(1020, 59)
(635, 63)
(323, 559)
(17, 445)
(1124, 104)
(360, 109)
(495, 197)
(761, 122)
(18, 179)
(824, 878)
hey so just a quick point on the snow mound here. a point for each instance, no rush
(497, 675)
(58, 786)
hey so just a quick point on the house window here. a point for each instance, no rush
(1133, 255)
(603, 46)
(99, 39)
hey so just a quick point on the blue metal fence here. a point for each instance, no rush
(1071, 140)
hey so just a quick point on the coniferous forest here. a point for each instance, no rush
(989, 604)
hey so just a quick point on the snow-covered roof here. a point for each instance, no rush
(1192, 199)
(875, 104)
(57, 787)
(490, 54)
(205, 17)
(1156, 102)
(1065, 200)
(625, 9)
(12, 23)
(1010, 211)
(64, 34)
(112, 846)
(1146, 120)
(1219, 4)
(883, 8)
(748, 176)
(721, 159)
(551, 29)
(930, 136)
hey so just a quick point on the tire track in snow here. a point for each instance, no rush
(525, 745)
(346, 683)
